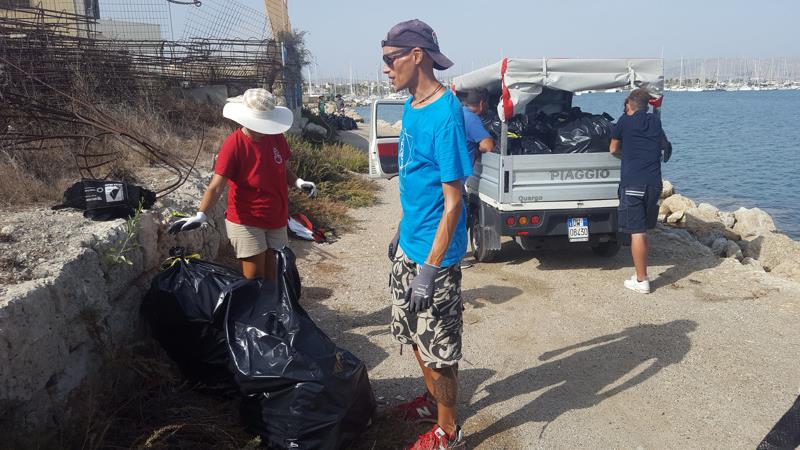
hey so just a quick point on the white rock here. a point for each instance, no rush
(666, 189)
(351, 113)
(708, 209)
(727, 219)
(752, 222)
(675, 217)
(677, 202)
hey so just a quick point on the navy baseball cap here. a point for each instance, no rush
(416, 33)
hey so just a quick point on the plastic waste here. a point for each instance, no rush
(527, 145)
(301, 227)
(583, 134)
(786, 433)
(339, 121)
(302, 391)
(185, 308)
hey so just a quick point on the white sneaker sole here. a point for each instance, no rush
(637, 289)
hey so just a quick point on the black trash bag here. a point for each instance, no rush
(302, 391)
(527, 145)
(346, 123)
(786, 433)
(107, 200)
(185, 308)
(517, 126)
(583, 134)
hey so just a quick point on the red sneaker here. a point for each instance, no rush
(420, 410)
(437, 439)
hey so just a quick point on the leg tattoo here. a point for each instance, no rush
(445, 386)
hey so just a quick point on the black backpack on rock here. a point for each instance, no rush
(107, 200)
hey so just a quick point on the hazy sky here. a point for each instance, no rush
(471, 32)
(345, 33)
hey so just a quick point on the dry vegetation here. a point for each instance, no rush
(179, 126)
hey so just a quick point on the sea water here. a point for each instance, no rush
(730, 149)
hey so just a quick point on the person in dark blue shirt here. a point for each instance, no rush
(636, 139)
(478, 139)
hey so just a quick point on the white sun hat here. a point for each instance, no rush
(256, 110)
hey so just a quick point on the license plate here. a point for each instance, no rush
(578, 229)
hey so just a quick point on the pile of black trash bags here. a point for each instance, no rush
(298, 389)
(340, 122)
(573, 131)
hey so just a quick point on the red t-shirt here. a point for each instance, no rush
(256, 172)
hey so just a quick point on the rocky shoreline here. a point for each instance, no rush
(746, 235)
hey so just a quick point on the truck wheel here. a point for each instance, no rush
(477, 242)
(606, 249)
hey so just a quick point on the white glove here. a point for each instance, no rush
(188, 223)
(307, 186)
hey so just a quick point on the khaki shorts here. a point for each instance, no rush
(249, 241)
(436, 332)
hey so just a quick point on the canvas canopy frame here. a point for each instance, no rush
(519, 81)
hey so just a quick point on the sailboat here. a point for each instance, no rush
(680, 87)
(700, 87)
(716, 79)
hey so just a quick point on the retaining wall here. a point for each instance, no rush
(59, 329)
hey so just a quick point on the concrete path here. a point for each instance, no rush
(358, 138)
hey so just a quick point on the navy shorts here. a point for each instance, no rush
(638, 208)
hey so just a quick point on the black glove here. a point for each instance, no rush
(393, 244)
(420, 293)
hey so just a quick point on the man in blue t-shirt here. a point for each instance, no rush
(636, 139)
(426, 277)
(478, 139)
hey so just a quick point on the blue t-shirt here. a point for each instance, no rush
(473, 127)
(641, 148)
(432, 150)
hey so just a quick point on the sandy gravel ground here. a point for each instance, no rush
(559, 355)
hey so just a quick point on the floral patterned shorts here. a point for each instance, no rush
(436, 332)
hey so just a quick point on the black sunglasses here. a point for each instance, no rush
(389, 58)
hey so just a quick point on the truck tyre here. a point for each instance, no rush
(606, 249)
(477, 240)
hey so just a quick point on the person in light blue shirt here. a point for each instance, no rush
(432, 151)
(426, 277)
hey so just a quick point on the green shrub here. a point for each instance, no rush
(333, 168)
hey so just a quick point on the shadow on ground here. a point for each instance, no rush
(590, 372)
(681, 261)
(492, 294)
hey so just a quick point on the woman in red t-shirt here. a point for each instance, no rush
(252, 162)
